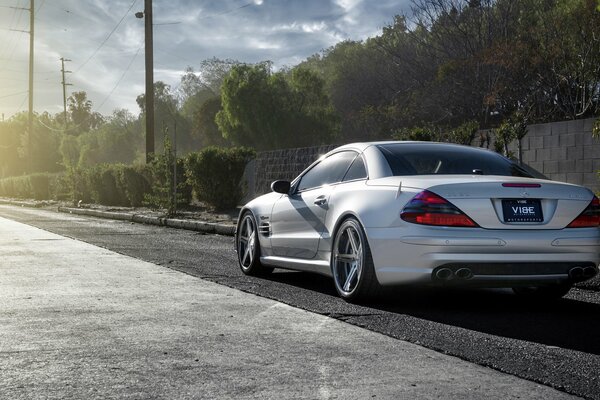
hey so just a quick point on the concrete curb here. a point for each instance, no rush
(31, 204)
(188, 224)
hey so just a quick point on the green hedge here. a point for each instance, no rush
(39, 186)
(215, 175)
(113, 184)
(134, 181)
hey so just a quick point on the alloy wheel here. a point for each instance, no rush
(348, 259)
(246, 243)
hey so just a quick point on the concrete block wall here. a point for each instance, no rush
(270, 166)
(564, 151)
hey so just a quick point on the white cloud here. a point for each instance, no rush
(283, 31)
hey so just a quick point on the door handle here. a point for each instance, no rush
(320, 200)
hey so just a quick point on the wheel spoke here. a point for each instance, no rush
(352, 239)
(345, 258)
(350, 277)
(249, 231)
(247, 254)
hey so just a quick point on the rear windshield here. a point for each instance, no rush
(444, 159)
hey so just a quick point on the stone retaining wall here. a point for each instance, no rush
(564, 151)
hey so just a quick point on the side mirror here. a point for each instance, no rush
(282, 187)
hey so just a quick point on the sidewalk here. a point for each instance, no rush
(79, 321)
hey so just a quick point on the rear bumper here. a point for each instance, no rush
(496, 258)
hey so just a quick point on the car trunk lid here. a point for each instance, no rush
(515, 203)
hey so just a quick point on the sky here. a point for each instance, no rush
(105, 42)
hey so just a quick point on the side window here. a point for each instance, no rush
(330, 170)
(357, 170)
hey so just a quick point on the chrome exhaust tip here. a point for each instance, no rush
(444, 274)
(576, 273)
(464, 273)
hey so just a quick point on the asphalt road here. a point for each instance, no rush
(555, 344)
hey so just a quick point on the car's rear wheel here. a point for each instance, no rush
(248, 247)
(540, 293)
(352, 264)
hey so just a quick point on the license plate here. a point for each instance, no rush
(522, 210)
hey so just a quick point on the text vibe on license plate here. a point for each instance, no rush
(522, 210)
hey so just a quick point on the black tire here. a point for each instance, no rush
(543, 293)
(352, 264)
(247, 246)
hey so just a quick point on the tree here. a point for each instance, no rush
(261, 109)
(168, 117)
(197, 88)
(362, 84)
(205, 126)
(82, 118)
(12, 161)
(119, 140)
(562, 39)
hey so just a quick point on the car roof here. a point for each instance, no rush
(362, 146)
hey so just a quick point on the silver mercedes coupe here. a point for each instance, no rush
(385, 214)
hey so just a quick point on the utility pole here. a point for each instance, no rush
(30, 118)
(64, 87)
(30, 121)
(147, 14)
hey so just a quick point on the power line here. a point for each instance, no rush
(106, 39)
(11, 95)
(13, 24)
(122, 76)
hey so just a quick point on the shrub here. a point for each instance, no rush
(161, 172)
(215, 175)
(39, 186)
(424, 134)
(134, 182)
(16, 186)
(102, 180)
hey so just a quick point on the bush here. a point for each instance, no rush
(17, 186)
(423, 134)
(161, 172)
(215, 175)
(134, 182)
(39, 186)
(102, 180)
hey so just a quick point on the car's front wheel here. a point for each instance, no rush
(542, 293)
(248, 247)
(352, 264)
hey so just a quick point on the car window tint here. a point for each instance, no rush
(443, 159)
(357, 170)
(330, 170)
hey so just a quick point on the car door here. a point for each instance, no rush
(297, 219)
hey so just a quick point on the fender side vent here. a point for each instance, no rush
(264, 229)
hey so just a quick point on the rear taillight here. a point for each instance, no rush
(589, 218)
(428, 208)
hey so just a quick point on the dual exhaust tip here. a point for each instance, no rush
(582, 273)
(576, 274)
(446, 274)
